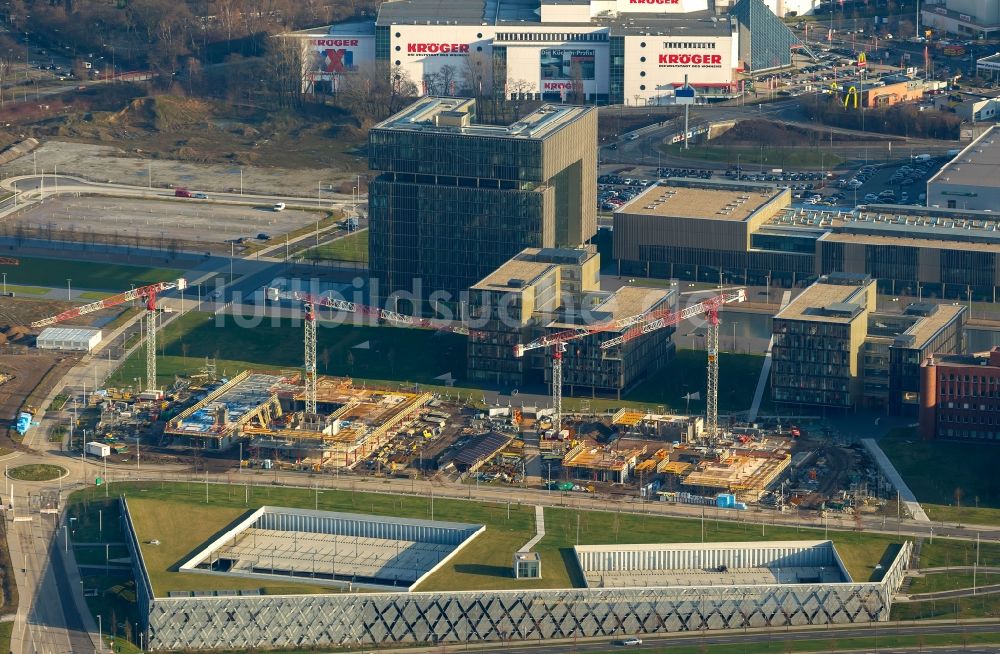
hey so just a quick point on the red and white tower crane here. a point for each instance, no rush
(146, 293)
(310, 302)
(634, 327)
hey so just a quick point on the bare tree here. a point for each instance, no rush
(377, 90)
(520, 90)
(283, 64)
(448, 80)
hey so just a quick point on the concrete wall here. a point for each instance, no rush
(373, 619)
(749, 555)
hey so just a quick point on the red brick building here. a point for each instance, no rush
(960, 396)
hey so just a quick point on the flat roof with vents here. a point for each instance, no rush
(435, 114)
(831, 303)
(977, 165)
(729, 201)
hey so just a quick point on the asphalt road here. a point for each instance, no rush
(780, 637)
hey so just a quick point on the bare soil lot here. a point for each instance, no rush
(27, 373)
(24, 311)
(201, 144)
(756, 131)
(181, 222)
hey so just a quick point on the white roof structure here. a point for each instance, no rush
(77, 339)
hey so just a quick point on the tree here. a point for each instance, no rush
(377, 91)
(324, 357)
(283, 65)
(520, 89)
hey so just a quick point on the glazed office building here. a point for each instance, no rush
(453, 200)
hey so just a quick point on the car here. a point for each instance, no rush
(199, 196)
(263, 237)
(278, 206)
(632, 641)
(871, 197)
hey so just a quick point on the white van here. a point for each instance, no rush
(279, 206)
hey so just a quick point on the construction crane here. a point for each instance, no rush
(146, 293)
(635, 326)
(310, 302)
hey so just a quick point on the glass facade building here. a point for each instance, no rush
(453, 200)
(765, 41)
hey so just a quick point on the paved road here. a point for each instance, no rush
(34, 186)
(780, 638)
(48, 619)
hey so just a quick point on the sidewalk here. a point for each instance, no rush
(905, 494)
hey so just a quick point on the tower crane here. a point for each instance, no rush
(146, 293)
(635, 326)
(310, 302)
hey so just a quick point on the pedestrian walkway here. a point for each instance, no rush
(765, 370)
(906, 496)
(539, 530)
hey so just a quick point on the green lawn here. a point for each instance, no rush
(938, 470)
(938, 581)
(24, 290)
(738, 375)
(177, 516)
(96, 555)
(6, 629)
(415, 355)
(406, 355)
(115, 603)
(36, 472)
(353, 247)
(84, 274)
(773, 157)
(980, 606)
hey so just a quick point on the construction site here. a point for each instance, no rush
(296, 420)
(265, 411)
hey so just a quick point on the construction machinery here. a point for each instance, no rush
(310, 302)
(145, 293)
(633, 327)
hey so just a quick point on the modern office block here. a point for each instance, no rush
(454, 199)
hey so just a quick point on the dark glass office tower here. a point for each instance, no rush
(453, 199)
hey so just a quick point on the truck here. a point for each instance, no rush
(98, 449)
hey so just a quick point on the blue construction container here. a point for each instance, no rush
(725, 500)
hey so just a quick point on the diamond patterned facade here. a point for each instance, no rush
(376, 619)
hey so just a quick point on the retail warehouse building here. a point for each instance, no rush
(580, 51)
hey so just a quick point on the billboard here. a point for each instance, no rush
(567, 64)
(660, 6)
(332, 56)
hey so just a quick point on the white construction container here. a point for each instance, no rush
(98, 449)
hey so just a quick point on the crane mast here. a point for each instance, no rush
(147, 293)
(310, 358)
(636, 326)
(311, 302)
(712, 384)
